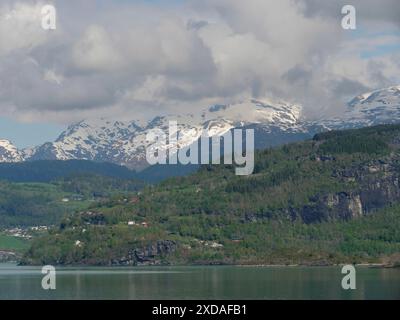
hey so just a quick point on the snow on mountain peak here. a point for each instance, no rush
(368, 109)
(388, 96)
(257, 111)
(125, 143)
(9, 152)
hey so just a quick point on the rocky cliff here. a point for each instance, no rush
(378, 187)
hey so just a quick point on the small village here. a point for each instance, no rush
(25, 233)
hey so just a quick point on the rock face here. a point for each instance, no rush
(8, 256)
(379, 186)
(151, 254)
(342, 206)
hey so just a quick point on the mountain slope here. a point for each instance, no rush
(369, 109)
(125, 143)
(9, 153)
(275, 122)
(333, 199)
(50, 170)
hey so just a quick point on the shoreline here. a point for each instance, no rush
(362, 265)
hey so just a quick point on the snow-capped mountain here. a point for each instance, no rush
(372, 108)
(125, 142)
(274, 122)
(9, 152)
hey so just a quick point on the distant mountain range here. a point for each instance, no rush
(275, 122)
(369, 109)
(9, 152)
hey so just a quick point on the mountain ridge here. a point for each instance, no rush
(9, 152)
(275, 122)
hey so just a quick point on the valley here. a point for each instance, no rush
(29, 209)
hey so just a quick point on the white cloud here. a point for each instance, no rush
(95, 51)
(125, 59)
(51, 76)
(20, 27)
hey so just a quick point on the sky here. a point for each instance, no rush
(136, 59)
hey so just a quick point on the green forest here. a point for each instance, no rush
(333, 199)
(45, 204)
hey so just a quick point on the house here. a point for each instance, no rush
(78, 244)
(131, 223)
(237, 239)
(216, 245)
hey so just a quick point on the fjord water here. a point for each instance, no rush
(199, 283)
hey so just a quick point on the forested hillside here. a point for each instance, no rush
(50, 170)
(45, 204)
(332, 199)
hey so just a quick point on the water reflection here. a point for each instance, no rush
(199, 283)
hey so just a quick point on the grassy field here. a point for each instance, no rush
(12, 243)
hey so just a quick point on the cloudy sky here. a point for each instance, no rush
(135, 59)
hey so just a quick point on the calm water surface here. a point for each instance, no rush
(199, 283)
